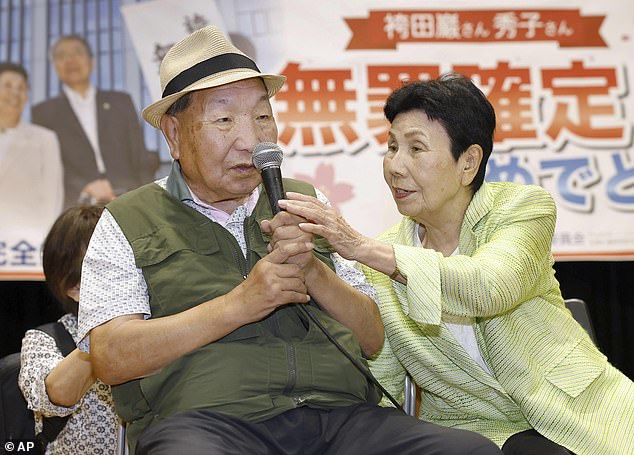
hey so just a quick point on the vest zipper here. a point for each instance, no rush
(273, 323)
(292, 370)
(241, 264)
(246, 263)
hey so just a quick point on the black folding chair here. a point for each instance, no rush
(579, 310)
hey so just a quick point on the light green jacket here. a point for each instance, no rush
(547, 373)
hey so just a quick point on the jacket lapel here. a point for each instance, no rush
(103, 108)
(66, 112)
(444, 340)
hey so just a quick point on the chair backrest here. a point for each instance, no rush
(123, 444)
(16, 419)
(579, 310)
(409, 399)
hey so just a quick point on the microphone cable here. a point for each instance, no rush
(355, 362)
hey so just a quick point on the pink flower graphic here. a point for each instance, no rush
(324, 180)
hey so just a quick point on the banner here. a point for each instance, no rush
(559, 74)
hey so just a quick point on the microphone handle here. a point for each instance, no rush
(272, 179)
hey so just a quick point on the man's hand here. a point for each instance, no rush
(287, 236)
(99, 190)
(292, 228)
(271, 283)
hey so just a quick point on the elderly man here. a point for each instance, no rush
(197, 325)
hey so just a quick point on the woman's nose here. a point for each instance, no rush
(395, 164)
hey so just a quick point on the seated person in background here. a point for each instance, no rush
(197, 326)
(467, 291)
(59, 386)
(31, 191)
(101, 139)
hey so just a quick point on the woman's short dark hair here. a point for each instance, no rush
(458, 105)
(64, 250)
(14, 67)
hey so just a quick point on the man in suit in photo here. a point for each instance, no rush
(101, 139)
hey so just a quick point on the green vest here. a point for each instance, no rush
(259, 370)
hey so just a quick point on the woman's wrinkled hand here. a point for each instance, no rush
(326, 222)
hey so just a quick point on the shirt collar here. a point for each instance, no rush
(76, 97)
(8, 131)
(178, 188)
(480, 205)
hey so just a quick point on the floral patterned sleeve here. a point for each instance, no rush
(39, 355)
(93, 426)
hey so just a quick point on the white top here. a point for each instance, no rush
(31, 183)
(112, 285)
(85, 108)
(461, 327)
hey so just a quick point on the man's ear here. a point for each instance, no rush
(470, 161)
(169, 128)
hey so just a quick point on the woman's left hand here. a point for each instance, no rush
(325, 222)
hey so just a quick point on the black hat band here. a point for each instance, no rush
(207, 68)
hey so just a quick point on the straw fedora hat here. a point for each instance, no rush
(204, 59)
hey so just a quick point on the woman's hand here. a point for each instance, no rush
(325, 222)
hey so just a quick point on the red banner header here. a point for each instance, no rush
(386, 29)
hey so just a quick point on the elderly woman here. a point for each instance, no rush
(469, 300)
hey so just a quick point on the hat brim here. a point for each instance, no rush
(273, 82)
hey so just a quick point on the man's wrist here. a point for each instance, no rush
(312, 272)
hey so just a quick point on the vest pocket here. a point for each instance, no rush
(154, 248)
(184, 269)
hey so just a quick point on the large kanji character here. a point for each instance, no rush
(448, 26)
(24, 254)
(509, 90)
(575, 112)
(316, 103)
(505, 25)
(396, 24)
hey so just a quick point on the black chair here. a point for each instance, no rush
(579, 310)
(123, 445)
(409, 398)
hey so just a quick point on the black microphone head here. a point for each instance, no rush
(267, 154)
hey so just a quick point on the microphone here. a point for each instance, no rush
(267, 158)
